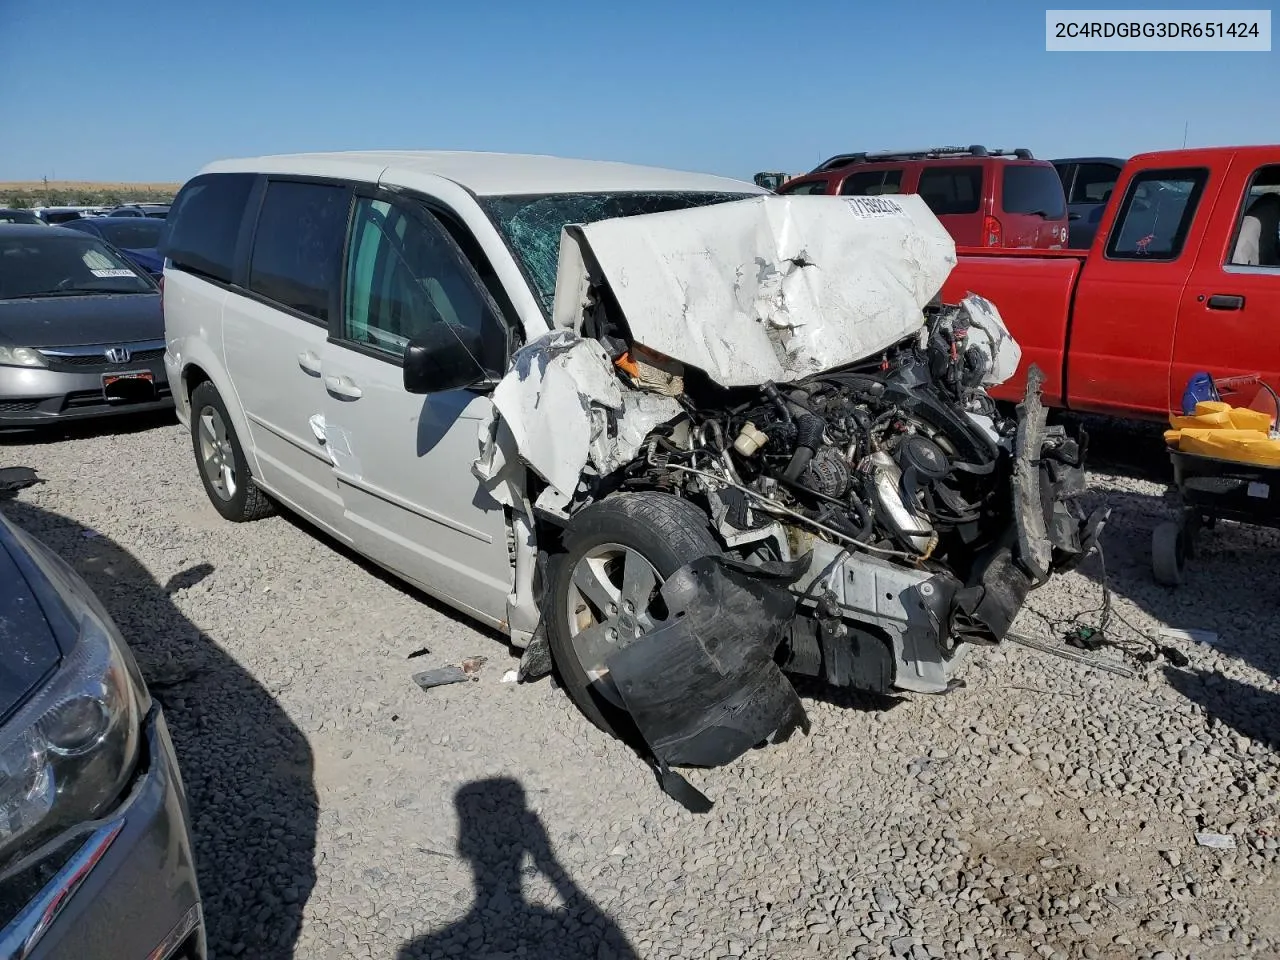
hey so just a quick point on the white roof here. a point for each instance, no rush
(488, 173)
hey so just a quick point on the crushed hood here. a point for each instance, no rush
(770, 288)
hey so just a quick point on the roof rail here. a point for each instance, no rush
(929, 153)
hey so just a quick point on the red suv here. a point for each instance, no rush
(985, 198)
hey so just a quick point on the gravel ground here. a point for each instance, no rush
(1045, 810)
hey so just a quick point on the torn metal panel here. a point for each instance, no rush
(992, 338)
(563, 407)
(766, 289)
(703, 686)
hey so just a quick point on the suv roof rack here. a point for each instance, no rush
(929, 153)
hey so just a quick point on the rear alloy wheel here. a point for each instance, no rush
(224, 471)
(605, 590)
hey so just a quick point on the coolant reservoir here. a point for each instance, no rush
(750, 440)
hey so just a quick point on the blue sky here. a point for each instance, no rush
(728, 88)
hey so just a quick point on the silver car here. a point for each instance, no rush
(81, 334)
(95, 850)
(684, 437)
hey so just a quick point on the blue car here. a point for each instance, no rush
(135, 237)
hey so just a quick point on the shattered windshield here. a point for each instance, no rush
(531, 225)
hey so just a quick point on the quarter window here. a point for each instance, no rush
(1158, 210)
(297, 247)
(404, 275)
(870, 183)
(951, 190)
(205, 224)
(802, 189)
(1257, 237)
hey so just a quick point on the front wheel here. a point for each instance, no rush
(224, 470)
(605, 589)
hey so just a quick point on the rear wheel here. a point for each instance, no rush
(605, 589)
(224, 470)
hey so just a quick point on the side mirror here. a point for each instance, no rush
(443, 358)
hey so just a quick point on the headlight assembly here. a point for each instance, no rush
(21, 357)
(69, 751)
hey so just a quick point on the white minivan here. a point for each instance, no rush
(686, 435)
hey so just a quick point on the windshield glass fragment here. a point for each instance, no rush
(531, 224)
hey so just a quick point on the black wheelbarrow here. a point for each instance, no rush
(1209, 490)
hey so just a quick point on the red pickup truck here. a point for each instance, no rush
(1183, 276)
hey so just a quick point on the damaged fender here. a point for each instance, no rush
(703, 687)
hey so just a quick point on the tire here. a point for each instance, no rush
(601, 543)
(224, 470)
(1168, 554)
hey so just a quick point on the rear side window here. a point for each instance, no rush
(1159, 207)
(871, 183)
(204, 224)
(1094, 182)
(1033, 189)
(297, 246)
(817, 186)
(951, 190)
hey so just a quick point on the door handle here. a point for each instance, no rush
(1226, 301)
(309, 362)
(343, 387)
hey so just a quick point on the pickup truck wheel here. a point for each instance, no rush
(604, 589)
(224, 470)
(1168, 554)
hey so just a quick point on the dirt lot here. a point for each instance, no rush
(1045, 810)
(84, 186)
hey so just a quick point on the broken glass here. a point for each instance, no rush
(531, 224)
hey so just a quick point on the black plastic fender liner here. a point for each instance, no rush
(984, 611)
(703, 687)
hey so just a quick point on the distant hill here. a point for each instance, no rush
(30, 193)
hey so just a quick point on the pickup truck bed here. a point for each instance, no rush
(1176, 282)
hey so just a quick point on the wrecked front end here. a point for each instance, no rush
(783, 365)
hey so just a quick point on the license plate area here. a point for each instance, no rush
(129, 386)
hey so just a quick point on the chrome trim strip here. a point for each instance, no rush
(184, 928)
(99, 349)
(20, 937)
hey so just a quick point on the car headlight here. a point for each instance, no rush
(21, 357)
(68, 753)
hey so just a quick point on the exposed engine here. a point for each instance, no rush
(903, 457)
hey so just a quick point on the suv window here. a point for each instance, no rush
(1028, 188)
(816, 186)
(404, 274)
(870, 183)
(948, 189)
(1159, 206)
(1094, 182)
(298, 245)
(1257, 238)
(205, 224)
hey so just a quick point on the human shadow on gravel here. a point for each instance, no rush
(246, 768)
(496, 832)
(1249, 711)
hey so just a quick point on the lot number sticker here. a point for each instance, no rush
(111, 273)
(868, 208)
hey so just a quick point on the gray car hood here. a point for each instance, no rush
(78, 320)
